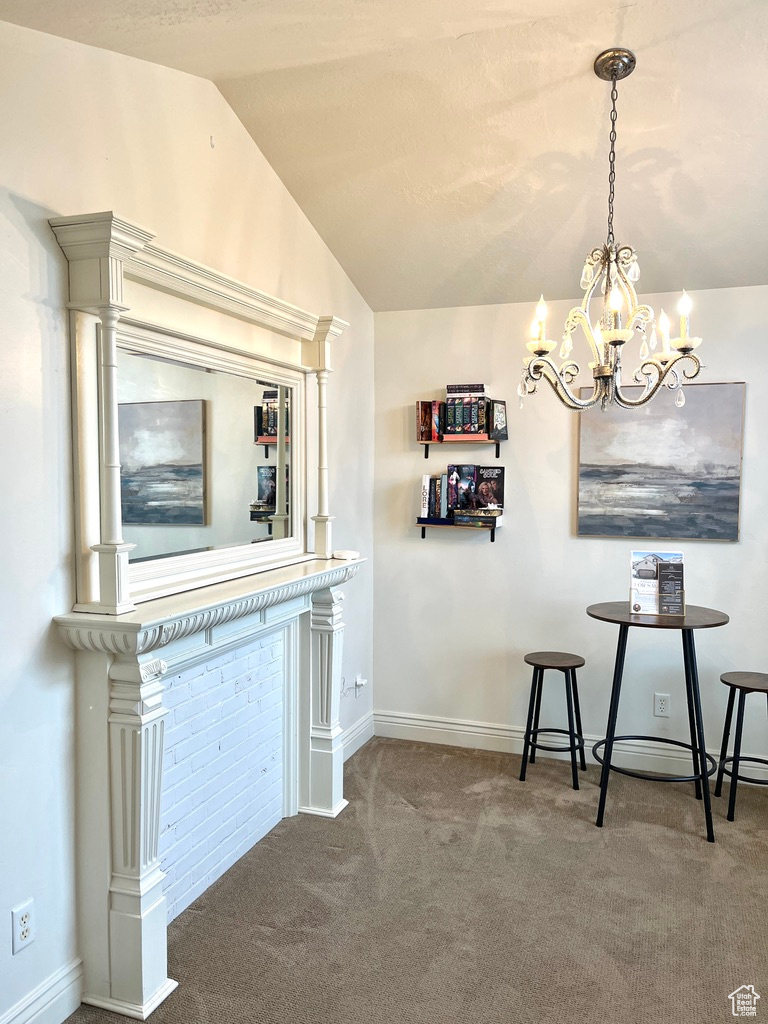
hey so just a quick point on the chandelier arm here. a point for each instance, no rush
(579, 317)
(595, 259)
(542, 368)
(642, 314)
(673, 369)
(626, 287)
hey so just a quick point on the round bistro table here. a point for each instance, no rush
(695, 617)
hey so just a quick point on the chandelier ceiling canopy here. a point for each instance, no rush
(609, 276)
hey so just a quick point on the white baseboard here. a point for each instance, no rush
(357, 735)
(637, 755)
(139, 1011)
(52, 1001)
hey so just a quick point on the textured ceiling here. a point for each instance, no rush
(455, 153)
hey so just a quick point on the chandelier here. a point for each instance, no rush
(609, 275)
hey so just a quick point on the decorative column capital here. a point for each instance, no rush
(317, 352)
(97, 245)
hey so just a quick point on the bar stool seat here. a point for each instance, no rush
(567, 664)
(741, 683)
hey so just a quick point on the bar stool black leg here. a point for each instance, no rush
(613, 713)
(571, 735)
(726, 737)
(536, 716)
(579, 730)
(529, 722)
(692, 727)
(689, 657)
(736, 754)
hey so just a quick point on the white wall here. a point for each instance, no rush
(463, 611)
(89, 130)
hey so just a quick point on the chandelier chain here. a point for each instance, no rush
(612, 158)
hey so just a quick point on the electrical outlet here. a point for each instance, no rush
(23, 922)
(359, 683)
(661, 705)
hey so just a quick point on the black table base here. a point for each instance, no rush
(647, 775)
(703, 764)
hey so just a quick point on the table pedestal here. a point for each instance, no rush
(703, 764)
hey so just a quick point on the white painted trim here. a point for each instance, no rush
(52, 1001)
(324, 812)
(161, 268)
(639, 755)
(357, 735)
(139, 1011)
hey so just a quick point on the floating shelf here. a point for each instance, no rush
(461, 439)
(267, 440)
(448, 524)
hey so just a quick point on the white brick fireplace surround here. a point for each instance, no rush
(225, 700)
(223, 765)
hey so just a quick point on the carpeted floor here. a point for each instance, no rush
(450, 892)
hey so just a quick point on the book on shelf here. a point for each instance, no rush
(657, 585)
(443, 506)
(497, 420)
(481, 522)
(424, 503)
(465, 479)
(265, 416)
(475, 487)
(463, 390)
(490, 487)
(433, 497)
(430, 420)
(266, 486)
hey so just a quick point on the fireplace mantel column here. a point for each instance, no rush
(324, 793)
(137, 907)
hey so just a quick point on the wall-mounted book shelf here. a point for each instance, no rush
(461, 439)
(448, 524)
(467, 416)
(267, 440)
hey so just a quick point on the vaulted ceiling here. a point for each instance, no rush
(455, 153)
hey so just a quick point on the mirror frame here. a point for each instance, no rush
(114, 268)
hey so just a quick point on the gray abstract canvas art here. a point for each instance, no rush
(162, 463)
(663, 472)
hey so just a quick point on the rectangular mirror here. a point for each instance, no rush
(203, 463)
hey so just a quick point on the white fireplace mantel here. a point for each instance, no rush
(136, 625)
(121, 662)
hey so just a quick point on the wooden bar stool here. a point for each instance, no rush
(744, 683)
(567, 664)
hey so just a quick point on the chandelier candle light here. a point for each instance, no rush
(611, 271)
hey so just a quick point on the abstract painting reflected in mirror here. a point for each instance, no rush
(162, 463)
(664, 472)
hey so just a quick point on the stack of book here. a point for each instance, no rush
(463, 496)
(466, 406)
(466, 414)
